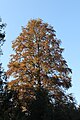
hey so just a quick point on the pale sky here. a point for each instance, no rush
(62, 14)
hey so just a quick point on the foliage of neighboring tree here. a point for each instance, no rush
(2, 40)
(3, 78)
(40, 108)
(66, 110)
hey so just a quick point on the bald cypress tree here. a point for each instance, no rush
(38, 63)
(38, 59)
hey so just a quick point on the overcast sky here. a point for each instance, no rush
(64, 15)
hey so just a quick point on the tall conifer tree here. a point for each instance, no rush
(38, 62)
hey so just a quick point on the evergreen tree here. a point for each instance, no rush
(3, 78)
(40, 108)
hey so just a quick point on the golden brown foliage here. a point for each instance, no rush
(38, 60)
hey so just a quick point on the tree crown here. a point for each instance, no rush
(38, 59)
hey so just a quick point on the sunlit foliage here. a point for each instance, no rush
(38, 61)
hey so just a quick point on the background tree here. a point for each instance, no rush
(66, 110)
(38, 63)
(40, 108)
(3, 78)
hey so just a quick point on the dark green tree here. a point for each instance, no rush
(65, 110)
(3, 78)
(40, 108)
